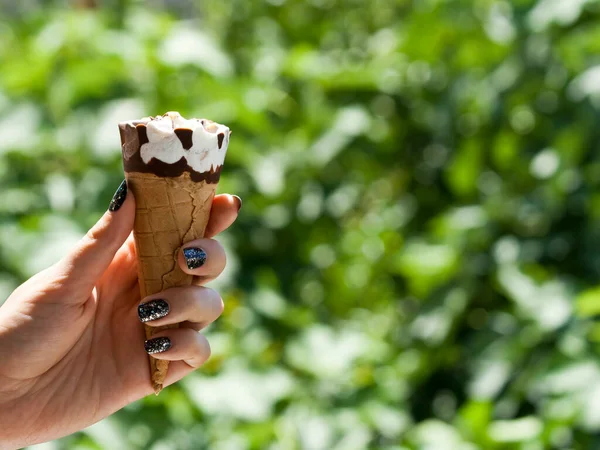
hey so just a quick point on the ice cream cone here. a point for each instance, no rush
(173, 199)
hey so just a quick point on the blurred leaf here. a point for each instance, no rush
(587, 302)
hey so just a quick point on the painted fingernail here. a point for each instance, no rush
(157, 345)
(152, 310)
(194, 257)
(118, 198)
(238, 201)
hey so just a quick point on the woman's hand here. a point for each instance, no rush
(72, 345)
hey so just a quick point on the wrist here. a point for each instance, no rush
(13, 423)
(12, 433)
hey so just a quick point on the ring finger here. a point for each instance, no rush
(193, 306)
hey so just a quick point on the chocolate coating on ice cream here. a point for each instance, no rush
(142, 134)
(185, 136)
(170, 145)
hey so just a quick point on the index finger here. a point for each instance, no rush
(225, 208)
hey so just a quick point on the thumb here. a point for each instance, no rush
(86, 263)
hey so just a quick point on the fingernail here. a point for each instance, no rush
(157, 345)
(194, 257)
(238, 201)
(118, 198)
(152, 310)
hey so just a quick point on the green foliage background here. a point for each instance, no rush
(416, 262)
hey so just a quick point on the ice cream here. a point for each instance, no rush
(172, 166)
(170, 145)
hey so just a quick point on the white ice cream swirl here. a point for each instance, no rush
(209, 142)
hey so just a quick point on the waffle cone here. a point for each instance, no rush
(169, 213)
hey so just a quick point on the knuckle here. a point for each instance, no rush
(93, 234)
(98, 230)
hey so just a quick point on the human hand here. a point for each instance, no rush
(72, 339)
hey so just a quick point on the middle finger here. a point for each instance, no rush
(203, 258)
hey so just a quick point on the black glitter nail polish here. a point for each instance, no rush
(194, 257)
(157, 345)
(152, 310)
(118, 198)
